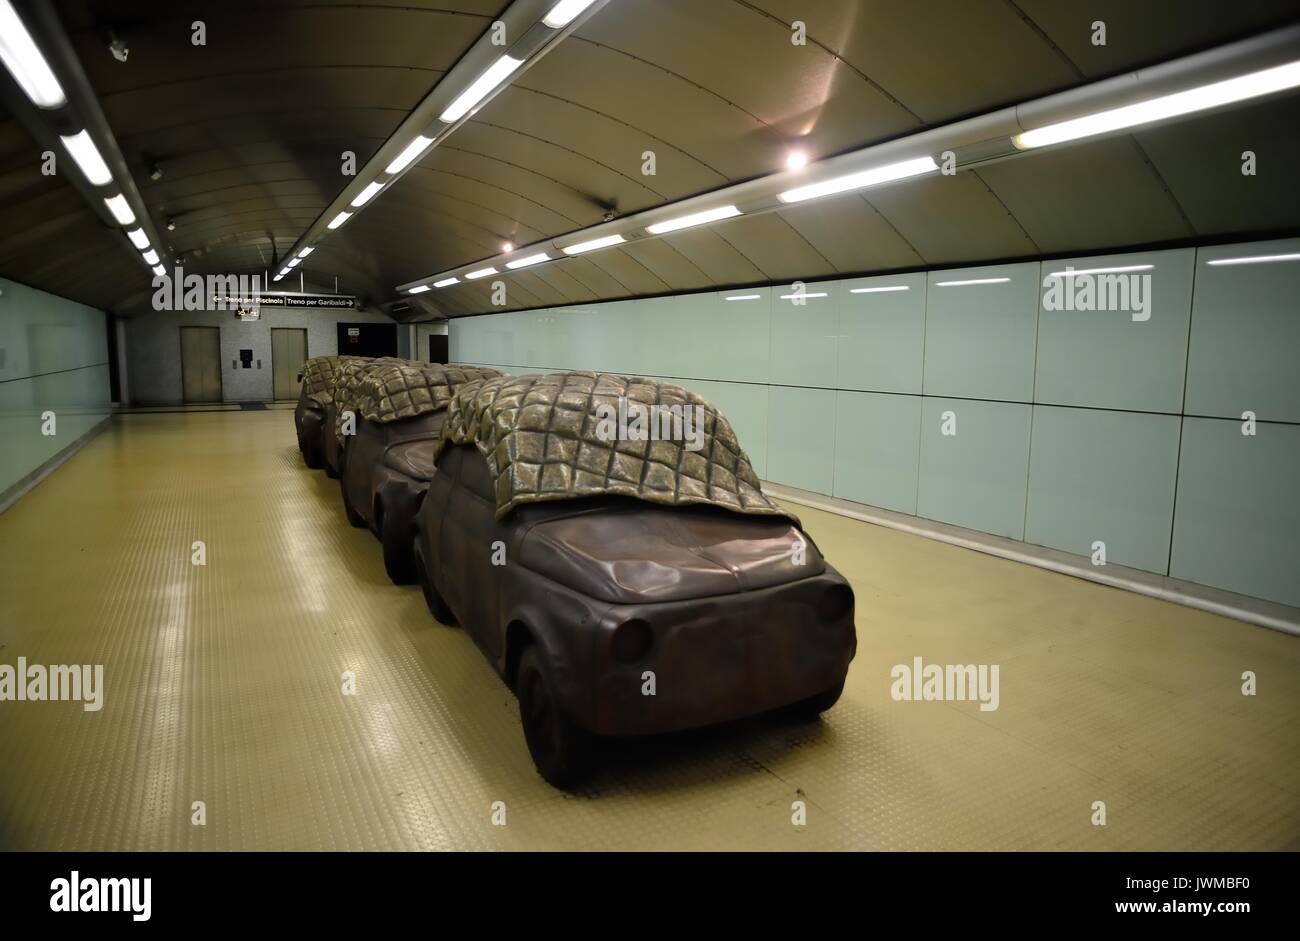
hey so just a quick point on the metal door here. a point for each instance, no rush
(288, 353)
(201, 364)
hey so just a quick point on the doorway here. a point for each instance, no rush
(288, 353)
(438, 351)
(367, 339)
(201, 364)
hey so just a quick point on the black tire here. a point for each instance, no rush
(396, 541)
(311, 455)
(437, 607)
(561, 750)
(812, 707)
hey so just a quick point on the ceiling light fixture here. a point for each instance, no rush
(338, 220)
(120, 209)
(593, 244)
(1202, 98)
(160, 271)
(880, 290)
(496, 73)
(88, 157)
(307, 251)
(292, 263)
(563, 13)
(957, 284)
(796, 160)
(151, 257)
(743, 297)
(507, 247)
(364, 196)
(1254, 259)
(480, 273)
(694, 219)
(530, 260)
(890, 172)
(25, 63)
(446, 282)
(418, 289)
(791, 297)
(409, 155)
(138, 238)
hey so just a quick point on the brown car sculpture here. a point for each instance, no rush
(347, 385)
(623, 583)
(387, 462)
(314, 397)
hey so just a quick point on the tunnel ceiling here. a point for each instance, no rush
(249, 131)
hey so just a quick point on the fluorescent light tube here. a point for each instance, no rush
(25, 63)
(1117, 270)
(160, 271)
(743, 297)
(364, 196)
(892, 287)
(338, 220)
(138, 238)
(594, 244)
(1214, 95)
(957, 284)
(278, 276)
(87, 155)
(478, 89)
(530, 260)
(408, 156)
(151, 257)
(480, 273)
(418, 289)
(307, 251)
(853, 181)
(1254, 259)
(695, 218)
(120, 209)
(446, 282)
(789, 297)
(562, 13)
(291, 263)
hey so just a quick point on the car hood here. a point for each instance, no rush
(641, 554)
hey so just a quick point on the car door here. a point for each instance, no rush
(471, 546)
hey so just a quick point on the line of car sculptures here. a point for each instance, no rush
(623, 577)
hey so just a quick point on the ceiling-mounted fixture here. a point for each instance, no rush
(562, 13)
(496, 73)
(88, 158)
(338, 220)
(593, 244)
(364, 196)
(862, 179)
(1121, 269)
(138, 238)
(530, 260)
(23, 58)
(1215, 95)
(480, 273)
(970, 281)
(120, 209)
(796, 160)
(693, 219)
(880, 290)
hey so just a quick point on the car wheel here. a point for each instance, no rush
(561, 750)
(814, 706)
(437, 607)
(397, 551)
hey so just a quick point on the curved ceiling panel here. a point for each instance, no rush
(248, 133)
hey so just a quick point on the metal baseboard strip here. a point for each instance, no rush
(14, 493)
(1278, 617)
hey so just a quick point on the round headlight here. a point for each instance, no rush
(632, 641)
(835, 603)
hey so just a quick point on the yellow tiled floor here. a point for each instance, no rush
(223, 686)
